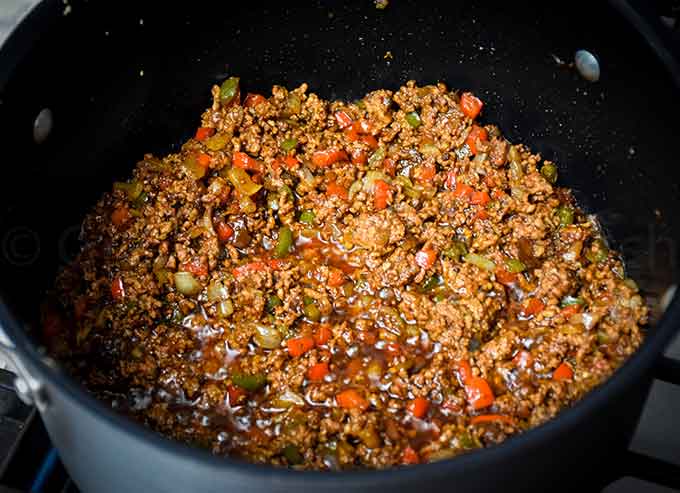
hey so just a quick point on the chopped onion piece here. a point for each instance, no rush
(288, 399)
(217, 291)
(267, 337)
(187, 284)
(225, 308)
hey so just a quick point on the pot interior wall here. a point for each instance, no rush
(122, 79)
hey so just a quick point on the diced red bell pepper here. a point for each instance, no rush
(253, 100)
(244, 161)
(327, 157)
(322, 335)
(478, 392)
(236, 394)
(299, 345)
(479, 198)
(476, 133)
(425, 173)
(492, 418)
(563, 372)
(470, 105)
(464, 371)
(351, 399)
(203, 159)
(120, 215)
(196, 266)
(343, 119)
(117, 289)
(505, 277)
(570, 310)
(203, 133)
(390, 166)
(335, 190)
(224, 231)
(257, 266)
(426, 258)
(317, 372)
(418, 407)
(359, 156)
(533, 306)
(370, 141)
(382, 194)
(481, 215)
(463, 191)
(335, 278)
(409, 456)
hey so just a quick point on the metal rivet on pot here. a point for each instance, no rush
(667, 296)
(30, 391)
(42, 126)
(22, 391)
(587, 65)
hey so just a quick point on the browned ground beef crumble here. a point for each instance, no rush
(440, 292)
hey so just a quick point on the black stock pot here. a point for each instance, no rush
(87, 87)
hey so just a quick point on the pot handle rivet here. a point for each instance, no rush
(28, 389)
(42, 126)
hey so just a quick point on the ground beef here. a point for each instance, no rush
(331, 285)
